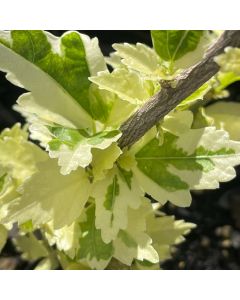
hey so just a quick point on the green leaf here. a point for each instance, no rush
(37, 59)
(3, 237)
(50, 196)
(2, 181)
(196, 159)
(199, 94)
(26, 227)
(101, 103)
(126, 176)
(113, 195)
(171, 45)
(92, 248)
(73, 147)
(181, 48)
(133, 242)
(201, 119)
(226, 116)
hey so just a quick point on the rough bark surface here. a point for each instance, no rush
(169, 97)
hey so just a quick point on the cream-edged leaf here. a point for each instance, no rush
(140, 58)
(8, 194)
(18, 159)
(30, 247)
(165, 232)
(226, 116)
(35, 113)
(181, 48)
(104, 160)
(114, 60)
(173, 44)
(193, 57)
(113, 196)
(108, 108)
(184, 120)
(92, 248)
(50, 196)
(127, 84)
(196, 159)
(38, 118)
(133, 242)
(66, 238)
(229, 61)
(55, 70)
(18, 155)
(73, 148)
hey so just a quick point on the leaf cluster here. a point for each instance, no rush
(78, 199)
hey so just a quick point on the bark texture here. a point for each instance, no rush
(169, 97)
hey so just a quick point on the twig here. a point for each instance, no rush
(169, 97)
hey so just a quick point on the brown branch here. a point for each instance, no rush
(169, 97)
